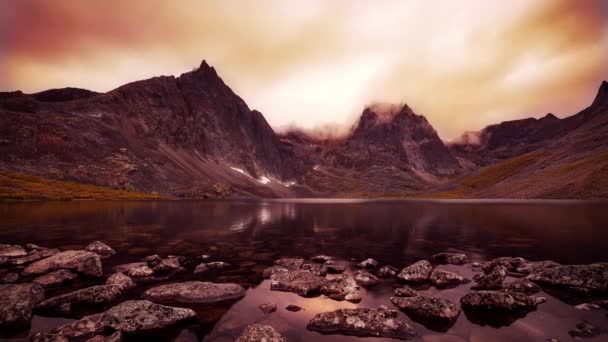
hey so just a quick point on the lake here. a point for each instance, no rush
(250, 235)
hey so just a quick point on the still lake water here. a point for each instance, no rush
(252, 234)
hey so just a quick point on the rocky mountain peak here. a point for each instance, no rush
(602, 95)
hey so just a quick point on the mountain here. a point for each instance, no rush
(186, 136)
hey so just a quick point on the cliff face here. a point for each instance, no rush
(182, 136)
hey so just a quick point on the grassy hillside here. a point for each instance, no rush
(18, 186)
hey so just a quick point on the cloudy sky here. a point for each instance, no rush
(313, 63)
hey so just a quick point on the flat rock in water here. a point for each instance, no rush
(366, 279)
(368, 263)
(268, 308)
(510, 263)
(406, 291)
(580, 278)
(268, 272)
(585, 330)
(522, 285)
(16, 304)
(194, 292)
(122, 280)
(140, 272)
(343, 287)
(100, 248)
(167, 264)
(499, 300)
(290, 263)
(434, 313)
(84, 262)
(55, 278)
(451, 258)
(387, 272)
(124, 268)
(133, 317)
(12, 251)
(362, 322)
(260, 333)
(303, 283)
(528, 267)
(418, 272)
(32, 256)
(90, 298)
(492, 280)
(443, 279)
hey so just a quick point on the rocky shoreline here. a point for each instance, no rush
(158, 296)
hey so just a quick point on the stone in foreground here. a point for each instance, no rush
(451, 258)
(101, 249)
(133, 317)
(16, 305)
(303, 283)
(84, 262)
(434, 313)
(580, 278)
(343, 287)
(260, 333)
(492, 280)
(442, 279)
(12, 251)
(55, 278)
(95, 297)
(362, 322)
(418, 272)
(194, 292)
(500, 300)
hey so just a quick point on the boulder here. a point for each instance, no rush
(140, 272)
(510, 263)
(450, 258)
(499, 300)
(87, 299)
(55, 278)
(119, 279)
(387, 272)
(343, 287)
(316, 269)
(492, 280)
(580, 278)
(434, 313)
(268, 308)
(194, 292)
(300, 282)
(101, 249)
(290, 263)
(321, 259)
(368, 263)
(268, 272)
(418, 272)
(133, 317)
(167, 264)
(362, 322)
(366, 279)
(85, 262)
(16, 304)
(443, 279)
(12, 251)
(522, 285)
(260, 333)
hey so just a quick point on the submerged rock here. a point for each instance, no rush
(585, 330)
(522, 285)
(122, 280)
(260, 333)
(443, 279)
(499, 300)
(293, 308)
(316, 269)
(268, 308)
(303, 283)
(167, 264)
(100, 248)
(366, 279)
(16, 305)
(55, 278)
(268, 272)
(418, 272)
(580, 278)
(434, 313)
(451, 258)
(362, 322)
(321, 259)
(368, 263)
(12, 250)
(387, 272)
(492, 280)
(343, 287)
(290, 263)
(133, 317)
(194, 292)
(90, 298)
(9, 278)
(84, 262)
